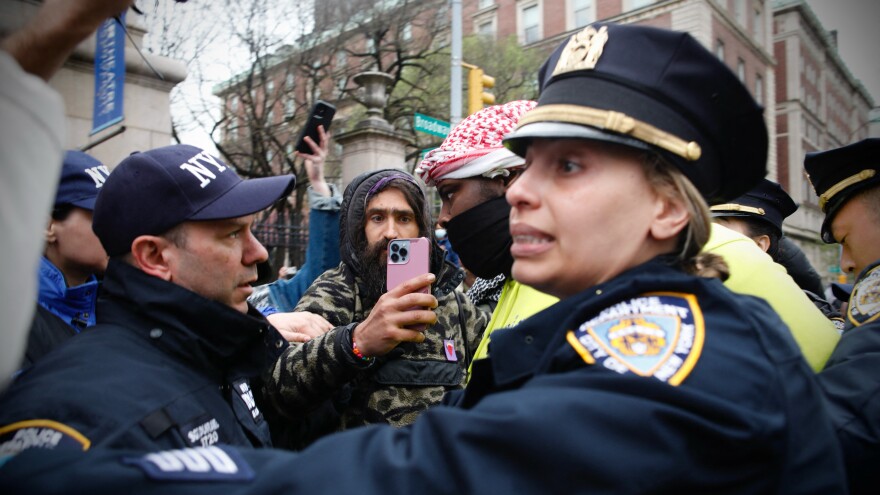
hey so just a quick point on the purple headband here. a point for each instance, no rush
(385, 180)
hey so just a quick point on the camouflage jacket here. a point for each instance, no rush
(394, 388)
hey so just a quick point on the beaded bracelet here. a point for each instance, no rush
(357, 352)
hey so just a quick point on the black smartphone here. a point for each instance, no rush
(322, 114)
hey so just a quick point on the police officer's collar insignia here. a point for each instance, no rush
(864, 302)
(40, 434)
(656, 334)
(197, 464)
(582, 51)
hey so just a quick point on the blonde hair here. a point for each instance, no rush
(671, 182)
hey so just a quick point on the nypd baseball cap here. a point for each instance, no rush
(82, 177)
(838, 174)
(150, 192)
(767, 202)
(656, 90)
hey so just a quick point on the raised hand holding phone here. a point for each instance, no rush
(389, 322)
(321, 115)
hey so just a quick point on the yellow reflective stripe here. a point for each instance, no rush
(579, 348)
(840, 186)
(697, 349)
(613, 121)
(48, 423)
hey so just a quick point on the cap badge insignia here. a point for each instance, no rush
(582, 51)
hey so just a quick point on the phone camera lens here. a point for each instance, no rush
(394, 247)
(395, 258)
(403, 252)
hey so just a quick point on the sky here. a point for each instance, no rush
(858, 37)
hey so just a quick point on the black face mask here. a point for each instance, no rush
(481, 237)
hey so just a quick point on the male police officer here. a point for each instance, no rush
(758, 215)
(847, 181)
(171, 360)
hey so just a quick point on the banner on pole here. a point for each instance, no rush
(109, 74)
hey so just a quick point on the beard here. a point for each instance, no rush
(375, 276)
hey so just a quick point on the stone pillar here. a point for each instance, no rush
(374, 143)
(146, 98)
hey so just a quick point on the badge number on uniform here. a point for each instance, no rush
(197, 464)
(864, 302)
(657, 334)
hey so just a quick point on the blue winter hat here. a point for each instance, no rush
(81, 178)
(153, 191)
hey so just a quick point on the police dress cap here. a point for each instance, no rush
(839, 173)
(767, 202)
(150, 192)
(657, 90)
(81, 179)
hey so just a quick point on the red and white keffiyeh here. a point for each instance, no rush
(474, 146)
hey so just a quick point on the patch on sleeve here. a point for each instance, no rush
(864, 302)
(40, 434)
(656, 334)
(195, 464)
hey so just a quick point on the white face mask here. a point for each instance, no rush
(440, 233)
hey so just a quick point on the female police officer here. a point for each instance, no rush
(643, 378)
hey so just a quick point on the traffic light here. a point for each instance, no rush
(478, 82)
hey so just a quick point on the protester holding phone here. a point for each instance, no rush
(391, 354)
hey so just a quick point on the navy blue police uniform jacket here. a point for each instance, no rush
(851, 384)
(163, 368)
(654, 382)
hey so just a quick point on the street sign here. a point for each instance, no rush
(430, 125)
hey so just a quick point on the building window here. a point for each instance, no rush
(485, 3)
(759, 89)
(583, 12)
(288, 108)
(741, 70)
(739, 11)
(530, 23)
(270, 87)
(233, 103)
(636, 4)
(341, 60)
(719, 50)
(758, 27)
(406, 32)
(289, 80)
(270, 118)
(486, 29)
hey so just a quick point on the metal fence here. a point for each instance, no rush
(284, 242)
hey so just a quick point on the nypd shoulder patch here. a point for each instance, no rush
(656, 335)
(40, 434)
(864, 302)
(196, 464)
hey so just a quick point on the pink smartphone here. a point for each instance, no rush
(408, 258)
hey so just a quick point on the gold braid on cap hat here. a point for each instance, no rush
(582, 52)
(736, 207)
(614, 121)
(840, 186)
